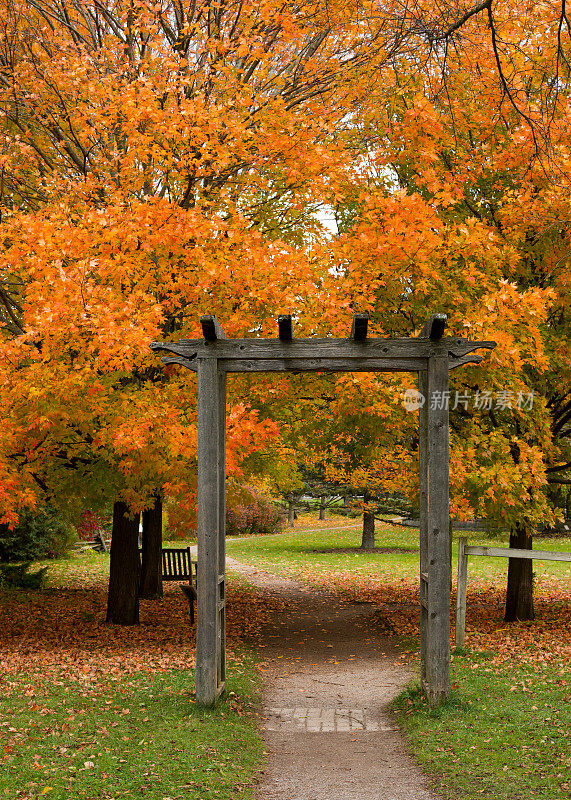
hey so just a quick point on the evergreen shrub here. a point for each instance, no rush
(41, 533)
(16, 576)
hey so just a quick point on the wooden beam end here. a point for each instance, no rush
(211, 328)
(359, 327)
(285, 332)
(434, 327)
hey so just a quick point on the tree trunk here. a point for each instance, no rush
(151, 569)
(519, 595)
(368, 540)
(346, 506)
(290, 513)
(125, 568)
(322, 507)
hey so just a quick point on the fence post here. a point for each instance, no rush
(461, 586)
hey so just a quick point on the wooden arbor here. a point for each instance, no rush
(432, 356)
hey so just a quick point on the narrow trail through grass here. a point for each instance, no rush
(330, 672)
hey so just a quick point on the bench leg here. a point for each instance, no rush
(190, 594)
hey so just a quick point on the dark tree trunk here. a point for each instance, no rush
(368, 540)
(290, 513)
(519, 595)
(125, 568)
(151, 568)
(322, 507)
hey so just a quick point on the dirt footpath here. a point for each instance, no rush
(330, 675)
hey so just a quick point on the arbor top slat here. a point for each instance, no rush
(434, 327)
(240, 350)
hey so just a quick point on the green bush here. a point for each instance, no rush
(41, 533)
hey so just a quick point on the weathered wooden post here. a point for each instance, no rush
(423, 504)
(210, 603)
(434, 512)
(461, 587)
(450, 539)
(221, 600)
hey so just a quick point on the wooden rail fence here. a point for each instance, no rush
(465, 550)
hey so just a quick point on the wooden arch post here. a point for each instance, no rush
(432, 356)
(211, 582)
(435, 567)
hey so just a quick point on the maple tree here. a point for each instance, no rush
(463, 199)
(460, 202)
(340, 430)
(157, 163)
(160, 161)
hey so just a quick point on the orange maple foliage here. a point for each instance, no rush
(461, 203)
(159, 163)
(155, 167)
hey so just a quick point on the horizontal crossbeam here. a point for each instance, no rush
(366, 364)
(307, 364)
(256, 355)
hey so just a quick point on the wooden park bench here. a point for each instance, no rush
(99, 543)
(177, 565)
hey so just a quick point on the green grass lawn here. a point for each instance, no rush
(314, 548)
(139, 736)
(504, 734)
(305, 552)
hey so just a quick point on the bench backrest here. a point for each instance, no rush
(177, 564)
